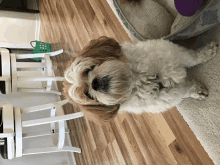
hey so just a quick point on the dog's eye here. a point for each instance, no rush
(88, 95)
(86, 72)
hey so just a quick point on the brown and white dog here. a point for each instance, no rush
(106, 78)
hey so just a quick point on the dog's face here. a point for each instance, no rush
(95, 83)
(99, 78)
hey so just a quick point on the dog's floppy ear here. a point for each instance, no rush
(100, 113)
(66, 86)
(102, 49)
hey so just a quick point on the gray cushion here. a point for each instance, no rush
(149, 19)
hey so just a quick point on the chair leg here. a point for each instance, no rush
(72, 149)
(47, 85)
(18, 130)
(8, 127)
(13, 73)
(48, 64)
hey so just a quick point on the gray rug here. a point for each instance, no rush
(203, 117)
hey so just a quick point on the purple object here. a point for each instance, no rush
(188, 7)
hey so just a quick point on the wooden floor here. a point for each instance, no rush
(146, 139)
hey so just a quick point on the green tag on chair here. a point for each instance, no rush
(41, 47)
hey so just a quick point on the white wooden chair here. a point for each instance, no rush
(28, 76)
(11, 135)
(5, 78)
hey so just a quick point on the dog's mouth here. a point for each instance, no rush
(160, 86)
(89, 96)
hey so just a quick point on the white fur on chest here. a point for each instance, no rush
(155, 57)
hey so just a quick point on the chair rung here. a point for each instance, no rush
(42, 133)
(50, 150)
(28, 73)
(28, 64)
(33, 68)
(42, 107)
(38, 90)
(5, 135)
(40, 78)
(51, 119)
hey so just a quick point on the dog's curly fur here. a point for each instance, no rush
(107, 78)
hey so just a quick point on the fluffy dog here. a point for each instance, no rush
(107, 78)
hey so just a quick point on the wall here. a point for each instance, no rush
(18, 28)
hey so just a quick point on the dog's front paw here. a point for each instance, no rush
(209, 51)
(199, 92)
(202, 93)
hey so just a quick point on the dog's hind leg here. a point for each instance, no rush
(187, 89)
(197, 90)
(191, 58)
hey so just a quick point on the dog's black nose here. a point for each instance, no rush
(101, 84)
